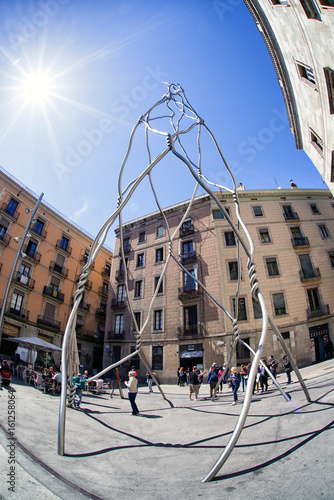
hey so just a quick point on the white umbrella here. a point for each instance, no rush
(36, 344)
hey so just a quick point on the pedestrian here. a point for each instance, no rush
(194, 382)
(264, 376)
(244, 377)
(149, 380)
(182, 377)
(132, 386)
(85, 375)
(287, 367)
(235, 380)
(133, 369)
(257, 379)
(273, 366)
(213, 378)
(328, 346)
(220, 378)
(79, 382)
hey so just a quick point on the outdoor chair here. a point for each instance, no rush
(6, 378)
(49, 384)
(39, 382)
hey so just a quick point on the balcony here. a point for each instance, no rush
(190, 331)
(100, 313)
(313, 274)
(106, 272)
(290, 216)
(84, 307)
(31, 254)
(120, 275)
(84, 260)
(24, 281)
(116, 335)
(5, 238)
(58, 269)
(118, 304)
(188, 258)
(316, 313)
(49, 291)
(18, 313)
(14, 214)
(103, 291)
(60, 246)
(188, 294)
(186, 230)
(301, 242)
(127, 250)
(48, 322)
(38, 231)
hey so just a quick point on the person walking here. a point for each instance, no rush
(132, 385)
(264, 376)
(149, 381)
(288, 369)
(79, 382)
(194, 382)
(244, 377)
(273, 366)
(213, 378)
(235, 380)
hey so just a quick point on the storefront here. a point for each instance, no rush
(317, 334)
(191, 355)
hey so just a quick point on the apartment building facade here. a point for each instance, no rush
(293, 235)
(47, 272)
(299, 35)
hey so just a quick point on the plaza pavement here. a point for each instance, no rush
(285, 451)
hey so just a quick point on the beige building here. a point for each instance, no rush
(293, 233)
(299, 36)
(46, 275)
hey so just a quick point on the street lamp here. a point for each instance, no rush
(18, 253)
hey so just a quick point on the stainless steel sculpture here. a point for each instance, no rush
(182, 119)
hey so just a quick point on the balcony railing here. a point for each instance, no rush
(38, 231)
(103, 291)
(5, 238)
(67, 249)
(188, 258)
(313, 274)
(187, 230)
(127, 250)
(24, 280)
(20, 313)
(188, 294)
(120, 275)
(118, 304)
(48, 322)
(84, 307)
(190, 331)
(14, 214)
(58, 269)
(100, 312)
(322, 311)
(290, 216)
(116, 335)
(106, 272)
(51, 292)
(36, 256)
(302, 241)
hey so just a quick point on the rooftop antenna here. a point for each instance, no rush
(278, 187)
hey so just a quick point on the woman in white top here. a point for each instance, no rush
(132, 386)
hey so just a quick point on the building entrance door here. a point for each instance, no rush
(317, 335)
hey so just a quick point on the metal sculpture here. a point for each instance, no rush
(182, 119)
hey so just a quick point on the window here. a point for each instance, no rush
(159, 255)
(314, 299)
(310, 9)
(229, 238)
(107, 269)
(105, 287)
(288, 212)
(158, 319)
(316, 141)
(54, 284)
(3, 228)
(31, 248)
(233, 270)
(306, 73)
(272, 266)
(142, 237)
(257, 309)
(139, 288)
(11, 207)
(323, 231)
(190, 320)
(279, 304)
(331, 257)
(264, 235)
(38, 227)
(160, 231)
(188, 282)
(242, 313)
(119, 324)
(161, 287)
(287, 340)
(306, 266)
(187, 249)
(126, 244)
(121, 293)
(64, 243)
(138, 320)
(157, 358)
(314, 208)
(329, 75)
(140, 260)
(243, 353)
(85, 257)
(16, 302)
(187, 227)
(24, 271)
(258, 211)
(218, 214)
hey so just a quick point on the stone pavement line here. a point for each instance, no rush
(50, 470)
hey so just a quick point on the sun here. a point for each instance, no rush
(36, 88)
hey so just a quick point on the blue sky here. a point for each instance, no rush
(105, 63)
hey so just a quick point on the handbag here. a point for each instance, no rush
(289, 370)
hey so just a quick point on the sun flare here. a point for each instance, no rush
(36, 87)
